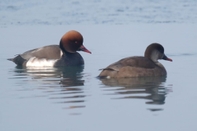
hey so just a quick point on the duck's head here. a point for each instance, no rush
(155, 51)
(72, 41)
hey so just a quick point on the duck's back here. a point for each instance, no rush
(51, 52)
(47, 52)
(133, 67)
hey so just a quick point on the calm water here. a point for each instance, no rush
(69, 12)
(73, 99)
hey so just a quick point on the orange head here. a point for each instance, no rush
(72, 41)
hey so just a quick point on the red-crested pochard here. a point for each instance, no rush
(138, 66)
(64, 54)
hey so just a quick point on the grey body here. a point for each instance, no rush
(51, 52)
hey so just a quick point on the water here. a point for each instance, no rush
(74, 99)
(69, 12)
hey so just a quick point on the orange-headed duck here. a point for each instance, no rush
(64, 54)
(138, 66)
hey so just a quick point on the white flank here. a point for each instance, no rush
(108, 77)
(61, 53)
(35, 62)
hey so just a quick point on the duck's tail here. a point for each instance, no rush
(10, 59)
(18, 60)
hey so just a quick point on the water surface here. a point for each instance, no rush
(121, 12)
(72, 98)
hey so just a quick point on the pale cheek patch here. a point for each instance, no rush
(155, 55)
(35, 62)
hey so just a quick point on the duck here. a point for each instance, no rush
(138, 66)
(64, 54)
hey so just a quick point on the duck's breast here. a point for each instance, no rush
(70, 59)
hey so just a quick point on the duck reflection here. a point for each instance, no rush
(148, 88)
(64, 85)
(68, 76)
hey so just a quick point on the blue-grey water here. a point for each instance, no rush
(73, 99)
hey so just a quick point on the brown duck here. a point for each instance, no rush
(138, 66)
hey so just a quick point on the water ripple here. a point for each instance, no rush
(183, 54)
(60, 85)
(151, 89)
(40, 12)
